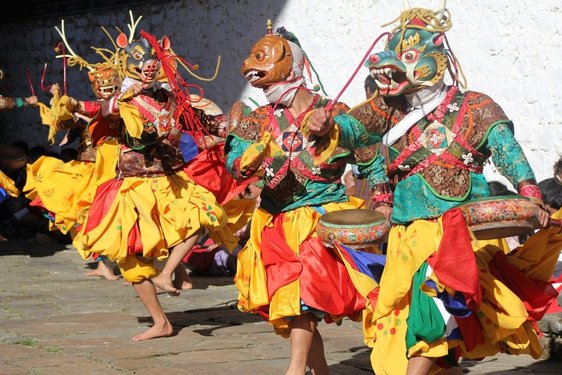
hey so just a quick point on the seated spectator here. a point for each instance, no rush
(17, 217)
(551, 192)
(210, 259)
(558, 171)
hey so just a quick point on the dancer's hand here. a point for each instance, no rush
(385, 210)
(543, 218)
(54, 89)
(136, 88)
(31, 100)
(318, 122)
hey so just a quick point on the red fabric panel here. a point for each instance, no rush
(100, 128)
(454, 254)
(471, 331)
(37, 202)
(105, 194)
(91, 107)
(281, 264)
(536, 295)
(208, 169)
(134, 241)
(325, 283)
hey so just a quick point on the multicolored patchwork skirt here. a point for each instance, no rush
(285, 270)
(444, 294)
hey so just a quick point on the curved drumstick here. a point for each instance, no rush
(28, 76)
(331, 104)
(42, 82)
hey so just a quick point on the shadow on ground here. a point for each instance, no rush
(204, 282)
(360, 363)
(23, 246)
(217, 317)
(547, 367)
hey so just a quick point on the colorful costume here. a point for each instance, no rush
(151, 205)
(7, 187)
(66, 190)
(207, 167)
(285, 270)
(436, 139)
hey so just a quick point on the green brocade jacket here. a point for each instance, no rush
(298, 169)
(438, 163)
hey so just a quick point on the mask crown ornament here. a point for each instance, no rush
(104, 76)
(269, 27)
(416, 55)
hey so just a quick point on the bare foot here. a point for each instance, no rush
(154, 332)
(181, 278)
(165, 284)
(103, 271)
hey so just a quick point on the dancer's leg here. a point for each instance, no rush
(164, 279)
(306, 344)
(162, 326)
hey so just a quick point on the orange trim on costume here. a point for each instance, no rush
(382, 113)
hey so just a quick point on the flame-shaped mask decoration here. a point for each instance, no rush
(413, 58)
(270, 61)
(105, 81)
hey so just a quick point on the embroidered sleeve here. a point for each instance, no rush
(529, 189)
(369, 161)
(234, 149)
(507, 155)
(376, 115)
(251, 127)
(374, 171)
(245, 146)
(338, 109)
(353, 134)
(91, 108)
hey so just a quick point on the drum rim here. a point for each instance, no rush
(524, 228)
(374, 221)
(342, 226)
(495, 198)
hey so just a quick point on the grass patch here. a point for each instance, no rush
(32, 343)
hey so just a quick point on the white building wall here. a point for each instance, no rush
(508, 49)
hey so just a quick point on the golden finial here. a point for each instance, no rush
(269, 26)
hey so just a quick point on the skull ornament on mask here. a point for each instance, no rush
(270, 61)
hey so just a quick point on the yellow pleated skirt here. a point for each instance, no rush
(502, 314)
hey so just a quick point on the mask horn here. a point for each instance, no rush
(440, 11)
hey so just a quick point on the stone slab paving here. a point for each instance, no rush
(55, 320)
